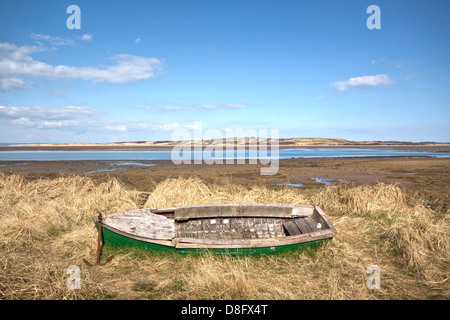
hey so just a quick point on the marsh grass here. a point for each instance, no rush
(46, 225)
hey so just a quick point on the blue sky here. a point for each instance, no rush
(138, 70)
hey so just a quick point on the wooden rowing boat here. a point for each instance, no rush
(235, 229)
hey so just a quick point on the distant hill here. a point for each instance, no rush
(283, 143)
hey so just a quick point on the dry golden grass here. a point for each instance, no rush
(187, 191)
(368, 200)
(46, 225)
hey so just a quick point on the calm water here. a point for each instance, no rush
(40, 155)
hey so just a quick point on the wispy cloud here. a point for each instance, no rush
(76, 119)
(17, 62)
(9, 84)
(46, 113)
(409, 76)
(236, 105)
(374, 61)
(196, 107)
(363, 82)
(137, 41)
(55, 41)
(80, 125)
(59, 41)
(69, 117)
(49, 124)
(86, 37)
(132, 126)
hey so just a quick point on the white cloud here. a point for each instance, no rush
(86, 37)
(137, 41)
(17, 62)
(364, 82)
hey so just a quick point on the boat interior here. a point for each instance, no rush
(221, 222)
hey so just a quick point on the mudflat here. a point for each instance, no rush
(429, 174)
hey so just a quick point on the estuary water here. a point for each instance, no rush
(57, 155)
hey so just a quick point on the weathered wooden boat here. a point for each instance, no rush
(235, 229)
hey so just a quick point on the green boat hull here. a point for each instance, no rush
(112, 238)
